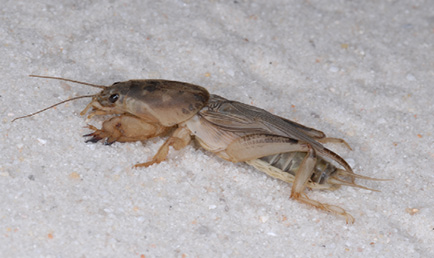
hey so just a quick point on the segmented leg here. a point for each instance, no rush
(303, 174)
(125, 128)
(289, 178)
(179, 139)
(326, 207)
(251, 147)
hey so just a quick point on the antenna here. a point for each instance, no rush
(69, 80)
(61, 102)
(64, 101)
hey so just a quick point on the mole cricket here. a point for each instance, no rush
(233, 131)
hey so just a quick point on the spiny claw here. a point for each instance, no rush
(94, 139)
(98, 135)
(109, 142)
(88, 135)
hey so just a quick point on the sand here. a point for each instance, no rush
(362, 71)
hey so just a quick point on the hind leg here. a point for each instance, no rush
(249, 148)
(326, 207)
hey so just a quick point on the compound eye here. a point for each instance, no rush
(113, 98)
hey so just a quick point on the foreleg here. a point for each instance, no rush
(125, 128)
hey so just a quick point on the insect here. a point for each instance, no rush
(232, 130)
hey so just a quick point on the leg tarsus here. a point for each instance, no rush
(302, 177)
(326, 207)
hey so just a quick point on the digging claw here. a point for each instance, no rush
(94, 139)
(98, 135)
(109, 142)
(88, 135)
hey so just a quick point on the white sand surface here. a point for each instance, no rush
(358, 70)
